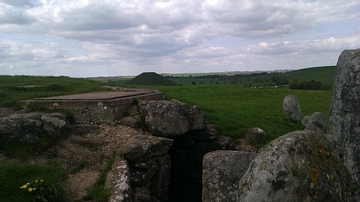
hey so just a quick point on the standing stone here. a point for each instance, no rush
(344, 119)
(291, 107)
(222, 171)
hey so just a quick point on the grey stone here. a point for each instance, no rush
(222, 171)
(160, 182)
(131, 122)
(171, 118)
(31, 127)
(305, 120)
(291, 107)
(256, 134)
(344, 117)
(143, 147)
(316, 122)
(298, 166)
(120, 182)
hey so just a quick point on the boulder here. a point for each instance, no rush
(316, 122)
(298, 166)
(171, 118)
(256, 134)
(344, 117)
(222, 171)
(291, 107)
(143, 147)
(31, 127)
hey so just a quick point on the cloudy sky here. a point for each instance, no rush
(85, 38)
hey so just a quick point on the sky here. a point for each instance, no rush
(90, 38)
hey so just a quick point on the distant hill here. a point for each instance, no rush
(151, 78)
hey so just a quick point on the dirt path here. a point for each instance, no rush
(83, 156)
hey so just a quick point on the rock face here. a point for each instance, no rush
(222, 171)
(299, 166)
(171, 118)
(30, 127)
(291, 107)
(149, 167)
(344, 118)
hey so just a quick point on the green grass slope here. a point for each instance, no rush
(151, 78)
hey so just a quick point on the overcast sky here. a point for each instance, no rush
(88, 38)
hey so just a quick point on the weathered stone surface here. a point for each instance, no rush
(171, 118)
(305, 120)
(298, 166)
(316, 122)
(160, 182)
(256, 134)
(344, 118)
(291, 107)
(143, 147)
(120, 182)
(207, 133)
(31, 127)
(222, 171)
(131, 122)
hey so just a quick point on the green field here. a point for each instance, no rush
(234, 110)
(228, 105)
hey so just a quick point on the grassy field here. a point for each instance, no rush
(234, 110)
(231, 107)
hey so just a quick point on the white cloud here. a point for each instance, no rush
(127, 37)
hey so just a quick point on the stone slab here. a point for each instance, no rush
(95, 96)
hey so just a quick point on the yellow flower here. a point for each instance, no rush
(41, 180)
(28, 183)
(36, 181)
(30, 189)
(24, 186)
(34, 189)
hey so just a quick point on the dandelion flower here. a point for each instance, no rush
(30, 189)
(24, 186)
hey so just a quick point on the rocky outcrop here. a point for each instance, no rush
(171, 118)
(344, 118)
(291, 107)
(299, 166)
(31, 127)
(222, 171)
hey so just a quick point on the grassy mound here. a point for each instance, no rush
(151, 78)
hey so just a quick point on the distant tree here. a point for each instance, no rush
(193, 82)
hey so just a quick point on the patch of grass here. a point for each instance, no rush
(98, 192)
(15, 174)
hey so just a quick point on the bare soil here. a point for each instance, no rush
(83, 156)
